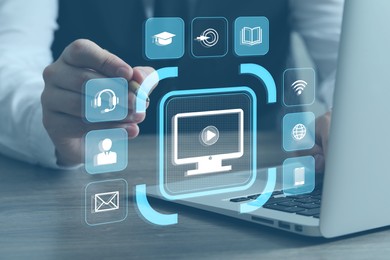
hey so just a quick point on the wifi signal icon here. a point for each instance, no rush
(299, 86)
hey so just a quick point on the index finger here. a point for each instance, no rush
(87, 54)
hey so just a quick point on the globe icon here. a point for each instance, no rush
(299, 132)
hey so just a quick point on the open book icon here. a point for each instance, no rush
(251, 36)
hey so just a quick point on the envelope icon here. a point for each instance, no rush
(107, 201)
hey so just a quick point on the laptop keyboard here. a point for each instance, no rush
(305, 205)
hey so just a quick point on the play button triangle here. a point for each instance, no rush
(210, 135)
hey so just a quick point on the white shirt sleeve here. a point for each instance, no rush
(25, 41)
(319, 24)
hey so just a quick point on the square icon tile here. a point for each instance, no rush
(106, 202)
(164, 38)
(299, 87)
(298, 131)
(251, 36)
(298, 175)
(106, 99)
(106, 151)
(210, 133)
(209, 37)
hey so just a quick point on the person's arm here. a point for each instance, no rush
(42, 119)
(62, 96)
(319, 24)
(26, 34)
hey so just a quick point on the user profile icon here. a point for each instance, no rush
(106, 151)
(106, 100)
(106, 156)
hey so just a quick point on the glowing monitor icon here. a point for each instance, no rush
(196, 141)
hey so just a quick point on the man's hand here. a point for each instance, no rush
(62, 97)
(320, 149)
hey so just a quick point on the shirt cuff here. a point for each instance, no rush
(40, 144)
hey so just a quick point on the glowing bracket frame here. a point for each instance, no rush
(142, 202)
(153, 79)
(170, 72)
(148, 212)
(262, 74)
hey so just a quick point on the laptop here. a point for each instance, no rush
(353, 194)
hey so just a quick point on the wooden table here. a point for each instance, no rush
(42, 217)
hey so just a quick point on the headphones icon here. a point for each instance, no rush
(113, 100)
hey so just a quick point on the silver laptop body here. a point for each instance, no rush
(357, 176)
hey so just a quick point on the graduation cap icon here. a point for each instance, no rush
(163, 39)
